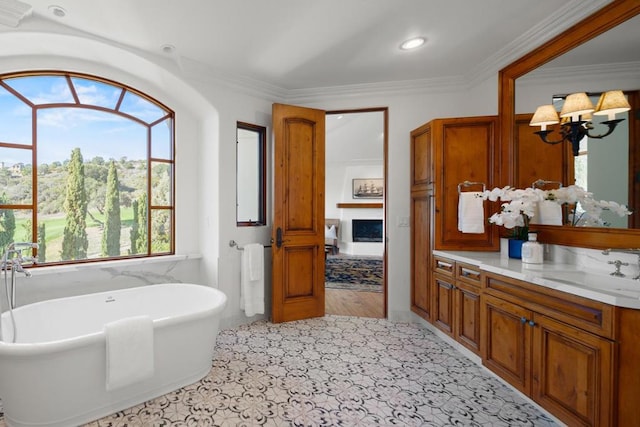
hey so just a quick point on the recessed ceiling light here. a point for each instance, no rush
(413, 43)
(168, 48)
(57, 11)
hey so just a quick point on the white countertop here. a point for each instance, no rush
(621, 292)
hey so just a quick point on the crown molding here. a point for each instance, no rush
(13, 11)
(571, 13)
(595, 72)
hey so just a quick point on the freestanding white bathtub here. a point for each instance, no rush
(55, 373)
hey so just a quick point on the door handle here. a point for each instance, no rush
(279, 237)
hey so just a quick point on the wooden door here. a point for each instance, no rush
(506, 345)
(298, 221)
(573, 373)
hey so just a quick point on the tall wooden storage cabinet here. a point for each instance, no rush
(444, 154)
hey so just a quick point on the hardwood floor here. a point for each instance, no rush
(354, 303)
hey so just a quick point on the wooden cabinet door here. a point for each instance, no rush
(464, 150)
(572, 373)
(421, 254)
(443, 289)
(467, 316)
(421, 220)
(506, 339)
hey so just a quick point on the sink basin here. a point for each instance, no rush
(621, 286)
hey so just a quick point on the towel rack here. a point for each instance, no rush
(233, 243)
(541, 182)
(469, 184)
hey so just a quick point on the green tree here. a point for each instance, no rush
(133, 234)
(75, 241)
(111, 231)
(42, 243)
(7, 224)
(141, 242)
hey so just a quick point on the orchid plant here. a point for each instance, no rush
(520, 206)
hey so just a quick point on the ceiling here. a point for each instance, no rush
(303, 44)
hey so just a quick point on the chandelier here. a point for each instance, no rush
(575, 117)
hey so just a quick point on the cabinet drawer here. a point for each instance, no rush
(468, 273)
(583, 313)
(444, 266)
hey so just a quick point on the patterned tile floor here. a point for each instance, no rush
(336, 371)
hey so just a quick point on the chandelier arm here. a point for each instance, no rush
(611, 125)
(543, 136)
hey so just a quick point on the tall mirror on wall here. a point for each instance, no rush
(600, 54)
(250, 175)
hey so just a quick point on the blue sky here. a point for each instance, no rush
(60, 130)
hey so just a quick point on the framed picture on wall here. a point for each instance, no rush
(367, 188)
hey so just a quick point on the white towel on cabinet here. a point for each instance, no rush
(252, 279)
(548, 212)
(470, 212)
(130, 356)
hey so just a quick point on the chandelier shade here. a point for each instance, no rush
(576, 105)
(612, 103)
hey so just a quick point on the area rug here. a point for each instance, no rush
(353, 273)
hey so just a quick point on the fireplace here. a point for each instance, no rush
(366, 230)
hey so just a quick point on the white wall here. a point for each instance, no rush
(206, 116)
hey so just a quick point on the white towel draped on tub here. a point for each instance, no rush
(252, 279)
(470, 212)
(129, 351)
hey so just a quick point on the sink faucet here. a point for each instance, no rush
(634, 251)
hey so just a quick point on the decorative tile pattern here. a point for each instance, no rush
(336, 371)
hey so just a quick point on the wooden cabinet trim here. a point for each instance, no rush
(468, 273)
(583, 313)
(444, 266)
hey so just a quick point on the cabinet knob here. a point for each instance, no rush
(532, 323)
(523, 320)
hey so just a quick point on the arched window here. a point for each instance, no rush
(86, 168)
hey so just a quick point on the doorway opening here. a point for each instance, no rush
(355, 203)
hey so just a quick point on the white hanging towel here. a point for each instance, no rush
(129, 351)
(548, 212)
(470, 212)
(252, 279)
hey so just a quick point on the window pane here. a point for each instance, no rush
(160, 231)
(161, 136)
(102, 139)
(15, 226)
(97, 133)
(92, 92)
(15, 119)
(42, 89)
(160, 184)
(16, 176)
(140, 108)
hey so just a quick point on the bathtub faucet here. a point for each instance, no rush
(13, 257)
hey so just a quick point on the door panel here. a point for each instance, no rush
(298, 223)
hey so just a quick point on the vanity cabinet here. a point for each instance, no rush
(554, 347)
(456, 301)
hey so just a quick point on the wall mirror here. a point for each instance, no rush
(571, 51)
(250, 175)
